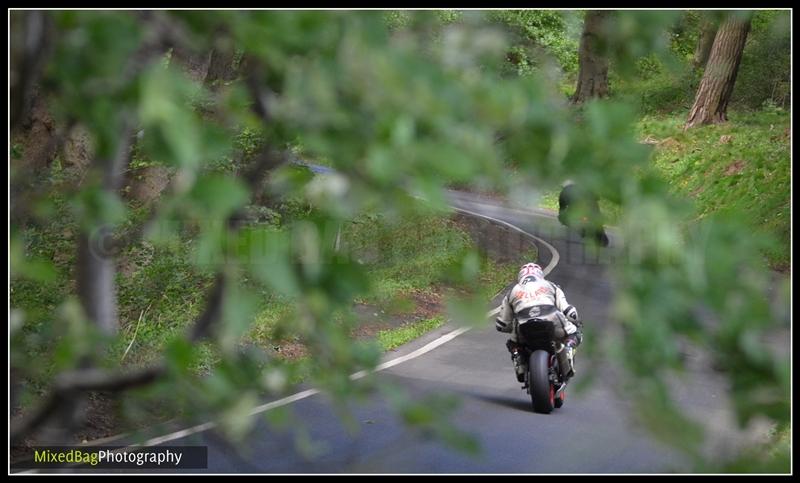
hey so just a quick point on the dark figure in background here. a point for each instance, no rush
(579, 208)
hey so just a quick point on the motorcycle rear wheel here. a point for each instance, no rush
(541, 389)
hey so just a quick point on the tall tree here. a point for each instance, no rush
(714, 93)
(592, 60)
(708, 30)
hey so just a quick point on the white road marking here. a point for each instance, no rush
(399, 360)
(179, 434)
(310, 392)
(422, 350)
(612, 231)
(541, 212)
(554, 253)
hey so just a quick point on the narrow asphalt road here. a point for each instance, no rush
(591, 433)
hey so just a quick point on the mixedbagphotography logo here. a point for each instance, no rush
(47, 456)
(120, 457)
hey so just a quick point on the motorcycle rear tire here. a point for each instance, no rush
(601, 238)
(542, 390)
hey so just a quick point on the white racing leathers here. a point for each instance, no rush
(529, 300)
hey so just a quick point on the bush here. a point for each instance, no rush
(669, 84)
(551, 32)
(764, 74)
(658, 89)
(684, 35)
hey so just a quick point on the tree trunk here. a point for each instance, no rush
(96, 280)
(193, 64)
(35, 137)
(31, 35)
(708, 31)
(593, 63)
(711, 102)
(220, 68)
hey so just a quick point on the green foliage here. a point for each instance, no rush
(771, 457)
(659, 89)
(647, 67)
(748, 174)
(765, 71)
(398, 112)
(16, 151)
(249, 141)
(667, 82)
(634, 34)
(552, 32)
(88, 71)
(172, 130)
(426, 416)
(396, 19)
(449, 16)
(684, 34)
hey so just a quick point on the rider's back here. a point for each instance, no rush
(532, 293)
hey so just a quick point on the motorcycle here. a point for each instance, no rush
(595, 232)
(585, 215)
(539, 356)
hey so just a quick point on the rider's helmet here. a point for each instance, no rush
(529, 270)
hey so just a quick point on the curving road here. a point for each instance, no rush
(590, 434)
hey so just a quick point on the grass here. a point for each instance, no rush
(495, 276)
(424, 253)
(549, 199)
(742, 165)
(416, 253)
(393, 338)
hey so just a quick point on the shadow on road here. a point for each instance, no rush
(521, 403)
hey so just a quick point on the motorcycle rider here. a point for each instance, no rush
(577, 205)
(536, 297)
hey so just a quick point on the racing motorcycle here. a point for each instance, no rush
(594, 232)
(580, 210)
(540, 368)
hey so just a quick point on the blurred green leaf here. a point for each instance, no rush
(238, 311)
